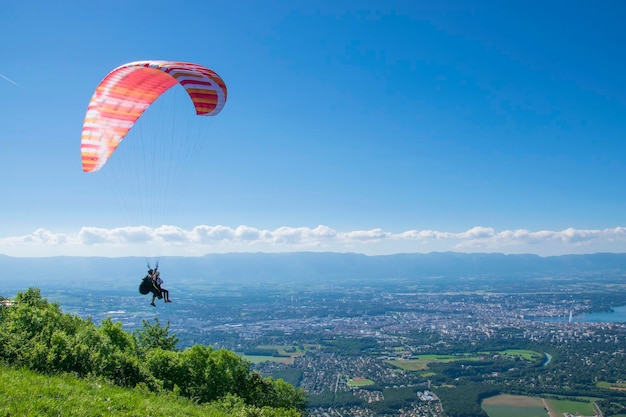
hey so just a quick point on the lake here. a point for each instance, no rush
(618, 315)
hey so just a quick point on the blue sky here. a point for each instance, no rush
(352, 126)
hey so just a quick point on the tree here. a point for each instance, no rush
(152, 336)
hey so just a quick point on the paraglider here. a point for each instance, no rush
(127, 91)
(148, 286)
(152, 283)
(124, 95)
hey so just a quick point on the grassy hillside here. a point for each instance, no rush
(27, 393)
(39, 344)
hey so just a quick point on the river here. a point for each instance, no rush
(548, 358)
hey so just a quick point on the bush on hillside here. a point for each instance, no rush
(37, 335)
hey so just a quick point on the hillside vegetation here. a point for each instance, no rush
(29, 394)
(36, 335)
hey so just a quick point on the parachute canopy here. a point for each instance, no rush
(127, 91)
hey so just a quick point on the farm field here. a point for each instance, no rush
(514, 406)
(558, 407)
(260, 358)
(619, 386)
(421, 363)
(529, 355)
(287, 354)
(522, 406)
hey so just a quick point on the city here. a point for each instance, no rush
(396, 347)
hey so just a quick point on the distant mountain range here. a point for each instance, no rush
(305, 267)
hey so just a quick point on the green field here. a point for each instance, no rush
(619, 386)
(573, 407)
(511, 411)
(409, 364)
(287, 353)
(260, 359)
(529, 355)
(421, 363)
(522, 406)
(450, 358)
(360, 382)
(514, 406)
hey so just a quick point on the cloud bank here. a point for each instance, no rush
(175, 241)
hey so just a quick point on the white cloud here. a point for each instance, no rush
(172, 234)
(211, 234)
(373, 235)
(172, 240)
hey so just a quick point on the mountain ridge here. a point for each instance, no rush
(260, 266)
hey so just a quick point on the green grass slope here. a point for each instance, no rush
(26, 393)
(56, 364)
